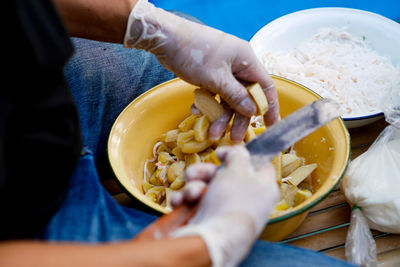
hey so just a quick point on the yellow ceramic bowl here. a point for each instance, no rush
(162, 108)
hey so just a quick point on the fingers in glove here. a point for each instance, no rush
(236, 95)
(239, 128)
(176, 199)
(267, 172)
(218, 127)
(192, 193)
(233, 154)
(267, 175)
(200, 171)
(272, 114)
(251, 70)
(194, 110)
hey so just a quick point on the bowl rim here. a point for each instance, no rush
(323, 9)
(156, 208)
(356, 118)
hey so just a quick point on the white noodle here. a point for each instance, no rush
(338, 65)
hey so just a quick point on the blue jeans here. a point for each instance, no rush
(104, 78)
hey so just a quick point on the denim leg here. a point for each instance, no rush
(90, 214)
(104, 78)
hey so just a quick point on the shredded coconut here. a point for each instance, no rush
(338, 65)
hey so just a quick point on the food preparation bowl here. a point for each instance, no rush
(162, 108)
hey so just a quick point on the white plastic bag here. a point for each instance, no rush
(372, 185)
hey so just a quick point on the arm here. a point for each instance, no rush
(188, 251)
(101, 20)
(198, 54)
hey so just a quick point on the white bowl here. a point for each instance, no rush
(287, 32)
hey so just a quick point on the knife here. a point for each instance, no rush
(277, 138)
(291, 129)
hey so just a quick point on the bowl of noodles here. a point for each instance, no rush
(348, 55)
(154, 139)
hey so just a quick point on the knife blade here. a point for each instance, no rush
(291, 129)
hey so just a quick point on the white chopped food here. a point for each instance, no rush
(335, 64)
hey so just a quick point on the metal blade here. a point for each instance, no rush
(291, 129)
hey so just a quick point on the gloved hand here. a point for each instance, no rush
(205, 57)
(235, 207)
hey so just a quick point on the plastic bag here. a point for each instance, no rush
(372, 185)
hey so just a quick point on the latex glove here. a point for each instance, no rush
(235, 207)
(205, 57)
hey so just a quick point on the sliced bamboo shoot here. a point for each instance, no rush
(200, 128)
(175, 170)
(187, 124)
(207, 104)
(290, 162)
(301, 196)
(259, 97)
(296, 177)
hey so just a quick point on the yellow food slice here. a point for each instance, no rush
(178, 153)
(259, 97)
(301, 196)
(164, 157)
(163, 148)
(288, 193)
(185, 137)
(259, 130)
(146, 187)
(156, 194)
(195, 147)
(207, 104)
(250, 134)
(282, 205)
(170, 136)
(192, 159)
(187, 124)
(277, 162)
(156, 179)
(225, 140)
(296, 177)
(210, 156)
(290, 162)
(175, 170)
(178, 183)
(200, 128)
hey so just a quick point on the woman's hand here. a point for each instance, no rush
(235, 207)
(206, 57)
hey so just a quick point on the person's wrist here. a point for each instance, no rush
(214, 251)
(146, 26)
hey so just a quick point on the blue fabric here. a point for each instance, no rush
(243, 18)
(104, 78)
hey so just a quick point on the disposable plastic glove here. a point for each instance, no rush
(235, 207)
(206, 57)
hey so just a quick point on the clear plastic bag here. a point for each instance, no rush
(372, 185)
